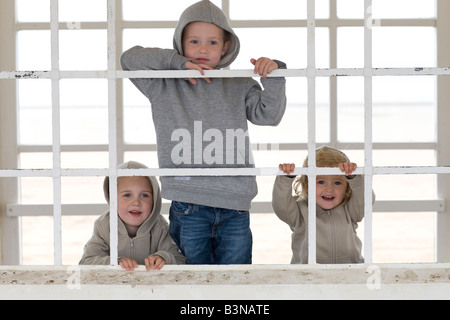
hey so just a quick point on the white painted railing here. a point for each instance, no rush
(230, 283)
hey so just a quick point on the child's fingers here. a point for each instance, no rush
(159, 263)
(148, 263)
(200, 68)
(287, 168)
(264, 66)
(347, 168)
(195, 82)
(154, 263)
(128, 264)
(259, 65)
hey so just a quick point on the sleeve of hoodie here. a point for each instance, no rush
(285, 205)
(96, 251)
(166, 247)
(139, 58)
(355, 206)
(266, 107)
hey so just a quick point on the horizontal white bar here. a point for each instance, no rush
(210, 172)
(410, 170)
(298, 23)
(95, 209)
(344, 72)
(255, 147)
(197, 283)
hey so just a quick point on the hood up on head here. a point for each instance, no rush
(153, 181)
(205, 11)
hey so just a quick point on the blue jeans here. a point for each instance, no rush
(207, 235)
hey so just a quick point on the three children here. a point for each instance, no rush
(203, 123)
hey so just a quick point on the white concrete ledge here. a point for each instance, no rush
(256, 282)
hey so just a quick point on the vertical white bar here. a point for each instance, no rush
(443, 112)
(112, 131)
(56, 133)
(333, 80)
(10, 227)
(311, 74)
(226, 8)
(119, 84)
(368, 139)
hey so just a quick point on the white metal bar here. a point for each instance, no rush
(87, 25)
(325, 72)
(56, 117)
(33, 173)
(260, 207)
(112, 79)
(10, 228)
(299, 23)
(334, 141)
(443, 130)
(368, 138)
(120, 133)
(311, 75)
(255, 146)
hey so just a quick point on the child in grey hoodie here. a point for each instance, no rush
(143, 232)
(204, 124)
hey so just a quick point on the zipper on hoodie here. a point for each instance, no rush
(333, 235)
(132, 255)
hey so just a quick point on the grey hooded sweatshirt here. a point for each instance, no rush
(152, 237)
(206, 126)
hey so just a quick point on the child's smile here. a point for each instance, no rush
(330, 191)
(135, 202)
(135, 213)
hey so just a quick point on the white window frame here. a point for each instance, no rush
(10, 149)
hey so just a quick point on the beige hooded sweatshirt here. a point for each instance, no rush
(152, 238)
(337, 241)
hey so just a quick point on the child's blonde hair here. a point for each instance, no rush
(325, 157)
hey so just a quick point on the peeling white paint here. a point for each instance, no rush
(289, 73)
(402, 281)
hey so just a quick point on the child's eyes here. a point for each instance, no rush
(129, 195)
(212, 43)
(337, 183)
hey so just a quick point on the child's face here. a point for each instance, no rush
(330, 191)
(204, 43)
(135, 200)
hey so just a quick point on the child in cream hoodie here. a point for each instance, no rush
(143, 232)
